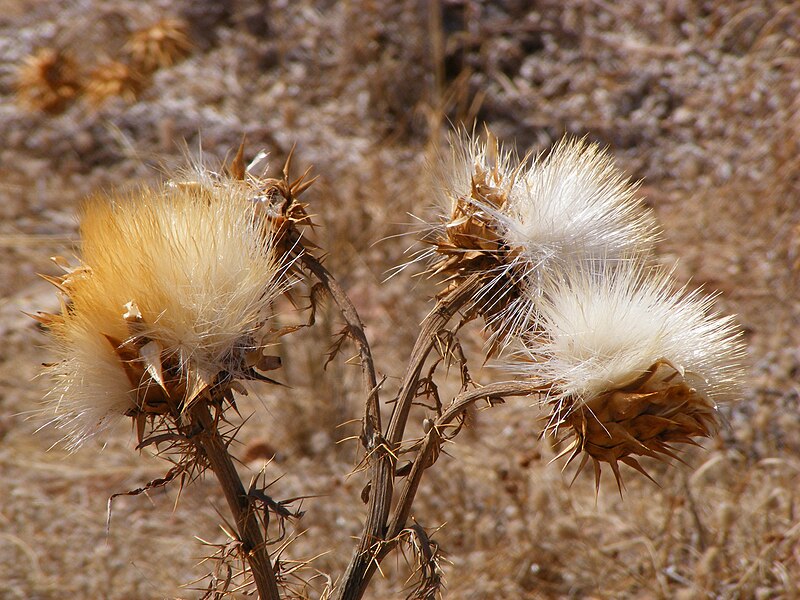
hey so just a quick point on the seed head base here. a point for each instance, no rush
(471, 231)
(470, 241)
(643, 418)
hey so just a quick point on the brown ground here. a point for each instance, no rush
(698, 99)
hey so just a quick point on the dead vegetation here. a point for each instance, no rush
(698, 99)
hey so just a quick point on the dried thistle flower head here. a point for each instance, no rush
(48, 80)
(633, 366)
(520, 222)
(113, 79)
(168, 307)
(159, 46)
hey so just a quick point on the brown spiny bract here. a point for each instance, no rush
(113, 79)
(478, 184)
(159, 46)
(48, 80)
(278, 202)
(645, 418)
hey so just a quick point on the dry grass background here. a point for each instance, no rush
(698, 99)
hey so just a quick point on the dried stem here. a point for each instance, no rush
(342, 300)
(242, 507)
(380, 449)
(428, 451)
(371, 437)
(437, 319)
(382, 458)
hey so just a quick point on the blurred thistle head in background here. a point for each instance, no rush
(48, 80)
(521, 220)
(113, 79)
(632, 365)
(169, 305)
(159, 45)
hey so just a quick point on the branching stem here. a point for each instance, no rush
(378, 537)
(428, 451)
(381, 469)
(350, 315)
(383, 462)
(437, 319)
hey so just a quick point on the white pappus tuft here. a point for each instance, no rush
(600, 330)
(521, 221)
(575, 205)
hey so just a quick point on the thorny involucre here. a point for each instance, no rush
(171, 299)
(159, 46)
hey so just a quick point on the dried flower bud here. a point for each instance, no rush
(167, 308)
(633, 366)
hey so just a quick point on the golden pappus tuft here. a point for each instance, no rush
(167, 308)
